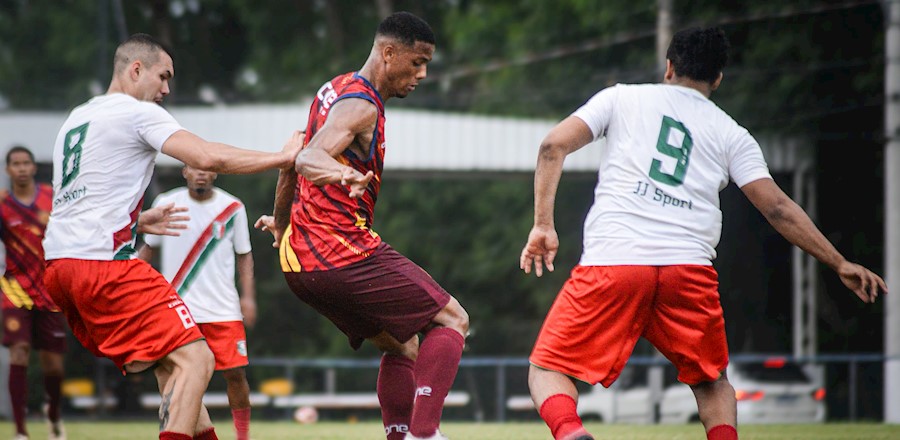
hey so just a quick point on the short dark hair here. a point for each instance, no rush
(406, 28)
(699, 54)
(18, 149)
(138, 46)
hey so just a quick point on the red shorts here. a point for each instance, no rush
(601, 311)
(384, 292)
(228, 342)
(41, 329)
(123, 310)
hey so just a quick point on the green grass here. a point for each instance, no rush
(89, 430)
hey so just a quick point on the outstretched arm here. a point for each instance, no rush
(568, 136)
(794, 224)
(226, 159)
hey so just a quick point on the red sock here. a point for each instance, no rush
(396, 391)
(209, 434)
(435, 372)
(168, 435)
(241, 419)
(18, 395)
(52, 385)
(722, 432)
(559, 412)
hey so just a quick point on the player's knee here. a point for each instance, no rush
(19, 354)
(456, 317)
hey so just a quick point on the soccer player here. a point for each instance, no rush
(118, 306)
(650, 236)
(336, 263)
(200, 265)
(30, 318)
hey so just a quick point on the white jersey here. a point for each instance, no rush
(103, 159)
(200, 262)
(669, 152)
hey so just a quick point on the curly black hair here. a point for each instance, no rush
(407, 28)
(699, 54)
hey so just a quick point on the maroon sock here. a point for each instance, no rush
(396, 392)
(722, 432)
(435, 372)
(209, 434)
(18, 395)
(558, 411)
(168, 435)
(52, 386)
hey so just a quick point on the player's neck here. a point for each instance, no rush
(24, 192)
(373, 75)
(201, 195)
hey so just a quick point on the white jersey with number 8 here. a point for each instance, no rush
(103, 159)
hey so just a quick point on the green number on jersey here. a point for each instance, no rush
(71, 162)
(680, 153)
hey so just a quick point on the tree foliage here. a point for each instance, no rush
(810, 68)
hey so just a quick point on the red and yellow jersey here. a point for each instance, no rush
(328, 228)
(22, 232)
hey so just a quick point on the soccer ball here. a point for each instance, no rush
(306, 415)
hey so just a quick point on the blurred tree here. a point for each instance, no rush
(811, 68)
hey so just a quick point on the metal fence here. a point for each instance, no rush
(484, 385)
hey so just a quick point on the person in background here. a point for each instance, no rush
(30, 317)
(200, 265)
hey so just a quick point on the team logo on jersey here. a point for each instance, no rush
(218, 230)
(382, 145)
(13, 325)
(242, 348)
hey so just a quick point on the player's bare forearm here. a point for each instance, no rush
(246, 278)
(319, 167)
(226, 159)
(546, 182)
(791, 221)
(285, 190)
(565, 138)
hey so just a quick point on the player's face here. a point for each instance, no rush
(408, 67)
(21, 168)
(198, 180)
(153, 84)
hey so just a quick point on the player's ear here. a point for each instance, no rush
(717, 82)
(134, 70)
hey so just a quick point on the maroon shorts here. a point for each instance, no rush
(384, 292)
(42, 329)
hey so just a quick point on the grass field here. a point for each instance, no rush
(473, 431)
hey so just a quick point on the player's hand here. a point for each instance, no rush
(863, 282)
(248, 309)
(167, 219)
(543, 243)
(292, 148)
(267, 223)
(356, 181)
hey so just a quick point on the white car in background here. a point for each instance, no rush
(769, 391)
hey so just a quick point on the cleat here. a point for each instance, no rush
(437, 436)
(581, 434)
(55, 431)
(20, 437)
